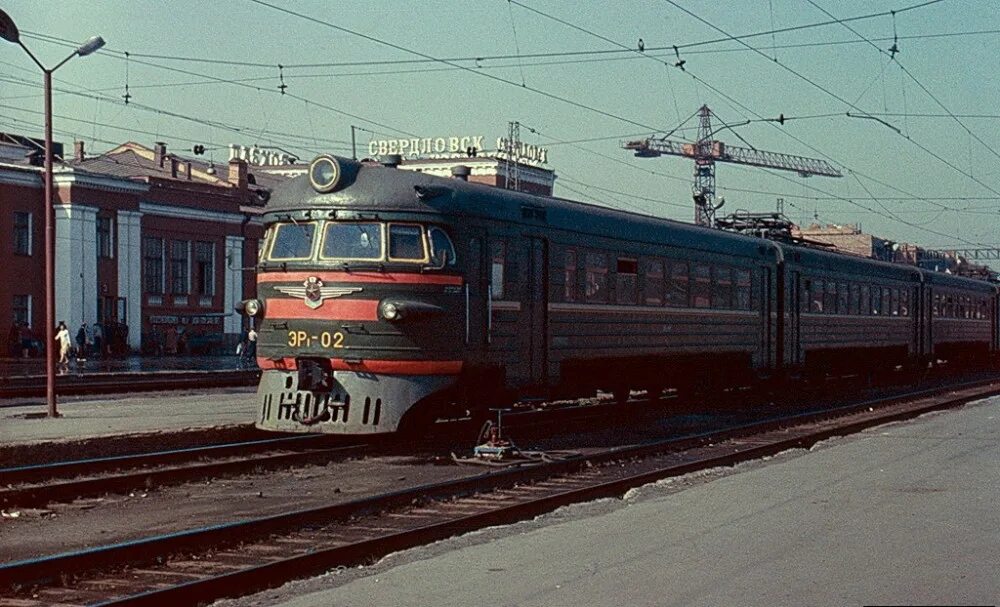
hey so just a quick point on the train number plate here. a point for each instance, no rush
(324, 339)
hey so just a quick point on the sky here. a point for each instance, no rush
(919, 154)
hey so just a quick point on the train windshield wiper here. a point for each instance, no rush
(348, 266)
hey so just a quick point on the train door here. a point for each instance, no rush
(917, 312)
(477, 296)
(536, 299)
(767, 319)
(793, 319)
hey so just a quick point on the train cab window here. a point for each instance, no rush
(744, 300)
(937, 305)
(652, 290)
(804, 285)
(569, 275)
(262, 244)
(293, 241)
(627, 281)
(722, 287)
(886, 301)
(498, 255)
(876, 300)
(678, 287)
(596, 287)
(854, 305)
(904, 301)
(441, 246)
(865, 301)
(406, 243)
(701, 286)
(352, 241)
(894, 302)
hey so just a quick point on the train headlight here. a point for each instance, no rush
(252, 307)
(324, 173)
(390, 311)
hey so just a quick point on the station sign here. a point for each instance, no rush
(455, 147)
(260, 156)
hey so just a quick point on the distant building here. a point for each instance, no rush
(849, 239)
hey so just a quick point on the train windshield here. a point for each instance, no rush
(406, 242)
(352, 241)
(293, 241)
(346, 241)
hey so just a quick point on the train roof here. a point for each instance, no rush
(368, 187)
(378, 188)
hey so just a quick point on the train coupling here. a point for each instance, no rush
(315, 375)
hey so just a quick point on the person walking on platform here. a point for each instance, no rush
(81, 343)
(62, 338)
(98, 341)
(251, 348)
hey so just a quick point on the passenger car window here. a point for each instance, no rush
(569, 275)
(406, 242)
(498, 256)
(597, 277)
(744, 300)
(677, 289)
(627, 281)
(701, 289)
(722, 287)
(652, 291)
(352, 241)
(293, 241)
(441, 244)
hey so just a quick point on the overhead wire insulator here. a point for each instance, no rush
(127, 94)
(281, 77)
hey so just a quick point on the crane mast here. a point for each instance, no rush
(706, 151)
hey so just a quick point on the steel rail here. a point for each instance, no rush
(639, 465)
(139, 381)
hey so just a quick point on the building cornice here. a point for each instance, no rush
(179, 212)
(71, 177)
(18, 175)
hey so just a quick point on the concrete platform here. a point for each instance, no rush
(904, 514)
(85, 417)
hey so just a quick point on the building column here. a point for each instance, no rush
(233, 284)
(76, 265)
(130, 274)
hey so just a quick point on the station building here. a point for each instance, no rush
(145, 239)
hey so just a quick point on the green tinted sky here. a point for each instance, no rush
(935, 182)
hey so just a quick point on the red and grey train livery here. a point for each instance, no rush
(388, 296)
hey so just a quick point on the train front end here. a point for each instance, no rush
(359, 303)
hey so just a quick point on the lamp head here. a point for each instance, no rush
(8, 31)
(90, 46)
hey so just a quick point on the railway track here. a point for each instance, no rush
(240, 557)
(137, 381)
(38, 485)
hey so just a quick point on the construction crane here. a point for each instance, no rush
(706, 151)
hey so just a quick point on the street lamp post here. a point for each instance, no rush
(8, 31)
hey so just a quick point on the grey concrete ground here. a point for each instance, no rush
(35, 367)
(904, 514)
(95, 416)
